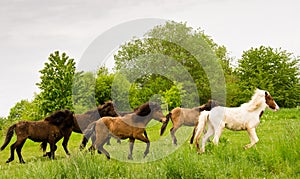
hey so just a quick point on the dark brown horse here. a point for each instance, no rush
(83, 120)
(130, 126)
(187, 117)
(50, 130)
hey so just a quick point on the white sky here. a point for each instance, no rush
(31, 30)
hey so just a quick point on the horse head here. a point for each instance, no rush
(107, 109)
(271, 102)
(152, 110)
(208, 106)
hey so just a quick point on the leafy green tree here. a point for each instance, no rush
(120, 92)
(271, 69)
(104, 82)
(174, 95)
(84, 91)
(56, 83)
(179, 51)
(24, 110)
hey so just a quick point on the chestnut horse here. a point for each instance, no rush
(245, 117)
(50, 130)
(87, 118)
(186, 117)
(130, 126)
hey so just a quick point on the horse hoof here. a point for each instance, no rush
(247, 147)
(130, 158)
(9, 160)
(201, 151)
(22, 161)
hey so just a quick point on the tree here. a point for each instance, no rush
(56, 83)
(178, 53)
(271, 69)
(174, 96)
(24, 110)
(104, 81)
(84, 91)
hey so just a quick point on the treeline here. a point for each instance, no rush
(174, 65)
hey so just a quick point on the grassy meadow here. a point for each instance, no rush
(277, 155)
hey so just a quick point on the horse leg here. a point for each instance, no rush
(172, 131)
(83, 143)
(101, 149)
(218, 133)
(253, 138)
(210, 132)
(44, 148)
(101, 139)
(19, 148)
(193, 135)
(131, 143)
(12, 153)
(108, 141)
(53, 148)
(197, 135)
(92, 148)
(65, 142)
(146, 140)
(145, 134)
(12, 149)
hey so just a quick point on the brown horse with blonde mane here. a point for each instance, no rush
(130, 126)
(50, 130)
(187, 117)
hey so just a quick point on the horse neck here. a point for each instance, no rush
(257, 109)
(144, 120)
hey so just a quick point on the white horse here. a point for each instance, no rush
(245, 117)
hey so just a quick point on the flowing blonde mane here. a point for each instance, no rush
(256, 100)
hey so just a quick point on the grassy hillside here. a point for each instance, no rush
(277, 155)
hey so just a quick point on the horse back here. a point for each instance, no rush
(189, 117)
(37, 131)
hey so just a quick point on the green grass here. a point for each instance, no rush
(277, 155)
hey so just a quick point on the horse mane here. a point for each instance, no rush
(94, 113)
(106, 109)
(58, 117)
(207, 106)
(146, 108)
(256, 100)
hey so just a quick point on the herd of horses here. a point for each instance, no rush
(105, 122)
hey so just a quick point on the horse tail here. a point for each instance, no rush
(201, 125)
(165, 123)
(9, 135)
(87, 133)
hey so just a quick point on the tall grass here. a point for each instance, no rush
(277, 155)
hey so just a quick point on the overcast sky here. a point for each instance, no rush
(31, 30)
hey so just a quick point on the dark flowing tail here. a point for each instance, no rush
(9, 135)
(165, 123)
(87, 133)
